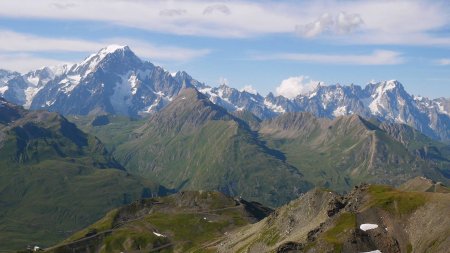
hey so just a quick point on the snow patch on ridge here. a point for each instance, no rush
(340, 111)
(121, 98)
(134, 82)
(69, 83)
(158, 234)
(34, 80)
(3, 89)
(275, 108)
(30, 92)
(441, 108)
(210, 94)
(161, 100)
(367, 226)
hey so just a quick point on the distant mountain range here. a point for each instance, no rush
(116, 81)
(194, 144)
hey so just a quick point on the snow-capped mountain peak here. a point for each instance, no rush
(390, 85)
(388, 97)
(114, 80)
(97, 60)
(113, 48)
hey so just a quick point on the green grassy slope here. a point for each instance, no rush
(55, 179)
(184, 222)
(113, 131)
(344, 152)
(194, 144)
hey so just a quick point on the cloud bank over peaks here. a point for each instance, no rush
(341, 23)
(249, 89)
(298, 85)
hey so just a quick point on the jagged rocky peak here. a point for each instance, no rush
(6, 75)
(42, 76)
(186, 80)
(383, 87)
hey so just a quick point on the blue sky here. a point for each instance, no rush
(253, 44)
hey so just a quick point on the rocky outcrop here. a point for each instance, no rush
(369, 218)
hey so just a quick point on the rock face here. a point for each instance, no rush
(369, 218)
(116, 81)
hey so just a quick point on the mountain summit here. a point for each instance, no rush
(114, 80)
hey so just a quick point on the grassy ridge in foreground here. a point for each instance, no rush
(183, 222)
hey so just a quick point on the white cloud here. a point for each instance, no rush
(62, 6)
(378, 57)
(294, 86)
(444, 61)
(400, 22)
(20, 42)
(249, 89)
(172, 12)
(28, 47)
(342, 23)
(346, 23)
(160, 52)
(220, 8)
(245, 19)
(325, 22)
(26, 62)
